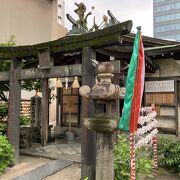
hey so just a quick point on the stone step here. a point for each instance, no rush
(45, 170)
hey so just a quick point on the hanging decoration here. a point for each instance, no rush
(146, 135)
(75, 83)
(59, 83)
(133, 96)
(148, 118)
(148, 139)
(155, 154)
(139, 122)
(134, 87)
(66, 83)
(147, 131)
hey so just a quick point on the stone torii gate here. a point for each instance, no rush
(45, 54)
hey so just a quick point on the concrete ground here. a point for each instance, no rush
(37, 156)
(72, 172)
(161, 174)
(60, 149)
(26, 164)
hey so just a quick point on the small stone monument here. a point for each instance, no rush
(36, 117)
(36, 111)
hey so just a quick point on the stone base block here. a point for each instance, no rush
(60, 131)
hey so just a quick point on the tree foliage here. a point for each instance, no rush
(6, 149)
(169, 153)
(122, 159)
(3, 109)
(6, 153)
(5, 66)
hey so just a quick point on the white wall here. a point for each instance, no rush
(168, 68)
(32, 21)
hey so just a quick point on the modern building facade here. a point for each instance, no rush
(31, 21)
(166, 19)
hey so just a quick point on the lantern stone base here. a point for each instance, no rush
(60, 131)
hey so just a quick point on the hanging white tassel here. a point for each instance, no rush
(66, 82)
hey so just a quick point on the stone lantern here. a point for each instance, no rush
(104, 122)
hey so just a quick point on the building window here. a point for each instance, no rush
(60, 12)
(167, 7)
(158, 1)
(168, 17)
(171, 37)
(167, 27)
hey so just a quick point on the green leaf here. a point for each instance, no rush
(6, 153)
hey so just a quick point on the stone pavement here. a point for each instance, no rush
(60, 149)
(36, 162)
(63, 150)
(45, 170)
(27, 164)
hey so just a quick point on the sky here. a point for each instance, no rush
(139, 11)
